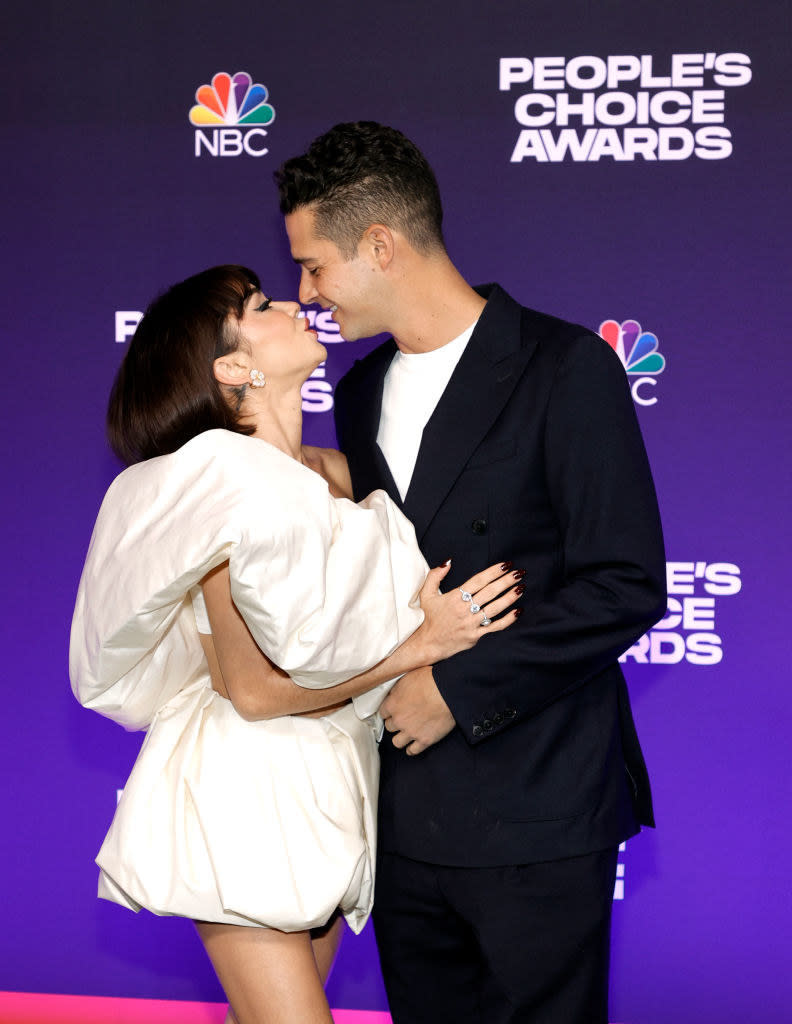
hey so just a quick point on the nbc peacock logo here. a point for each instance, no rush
(638, 351)
(229, 116)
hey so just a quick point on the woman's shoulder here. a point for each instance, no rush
(221, 447)
(330, 464)
(327, 456)
(228, 476)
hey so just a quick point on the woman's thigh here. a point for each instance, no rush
(269, 977)
(326, 941)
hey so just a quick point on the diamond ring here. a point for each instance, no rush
(465, 595)
(475, 608)
(485, 621)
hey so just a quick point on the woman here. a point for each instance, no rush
(251, 807)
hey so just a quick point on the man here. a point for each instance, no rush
(514, 770)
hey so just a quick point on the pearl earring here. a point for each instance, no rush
(257, 379)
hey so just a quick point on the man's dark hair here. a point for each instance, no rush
(165, 392)
(362, 173)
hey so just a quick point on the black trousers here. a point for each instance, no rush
(526, 944)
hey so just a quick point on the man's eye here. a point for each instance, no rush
(314, 271)
(264, 305)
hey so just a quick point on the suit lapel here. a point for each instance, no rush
(480, 386)
(370, 470)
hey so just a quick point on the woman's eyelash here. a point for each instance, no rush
(264, 305)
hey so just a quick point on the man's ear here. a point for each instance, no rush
(232, 369)
(380, 244)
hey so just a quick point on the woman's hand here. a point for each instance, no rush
(457, 620)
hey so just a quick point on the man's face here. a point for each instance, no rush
(348, 287)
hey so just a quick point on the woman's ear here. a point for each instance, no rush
(232, 369)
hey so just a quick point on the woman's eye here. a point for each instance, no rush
(314, 271)
(264, 305)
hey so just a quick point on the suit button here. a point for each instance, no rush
(477, 730)
(487, 724)
(479, 526)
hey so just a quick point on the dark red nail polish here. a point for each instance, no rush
(506, 566)
(518, 574)
(518, 590)
(517, 612)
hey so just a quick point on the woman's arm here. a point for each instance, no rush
(258, 689)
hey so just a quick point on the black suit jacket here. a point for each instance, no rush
(533, 454)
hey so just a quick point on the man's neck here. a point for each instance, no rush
(436, 305)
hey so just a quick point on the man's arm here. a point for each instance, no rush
(613, 586)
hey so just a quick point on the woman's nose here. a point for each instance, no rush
(287, 306)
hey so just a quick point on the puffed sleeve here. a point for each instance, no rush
(327, 587)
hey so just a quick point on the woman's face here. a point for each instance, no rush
(279, 342)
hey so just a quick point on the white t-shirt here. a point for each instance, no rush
(413, 386)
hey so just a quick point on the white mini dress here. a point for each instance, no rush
(268, 823)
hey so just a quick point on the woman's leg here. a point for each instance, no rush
(326, 941)
(269, 977)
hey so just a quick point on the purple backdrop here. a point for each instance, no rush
(604, 162)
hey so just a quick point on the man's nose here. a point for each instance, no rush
(307, 291)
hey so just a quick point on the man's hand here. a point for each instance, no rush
(415, 713)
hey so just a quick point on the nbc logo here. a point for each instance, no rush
(637, 350)
(230, 115)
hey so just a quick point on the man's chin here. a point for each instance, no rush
(347, 332)
(351, 331)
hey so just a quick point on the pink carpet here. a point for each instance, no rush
(34, 1008)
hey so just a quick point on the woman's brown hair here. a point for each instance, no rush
(165, 391)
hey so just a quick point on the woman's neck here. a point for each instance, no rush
(277, 419)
